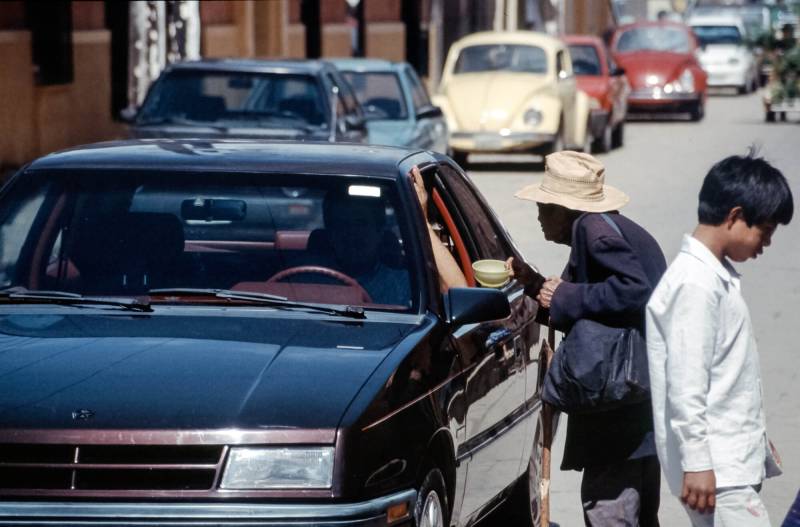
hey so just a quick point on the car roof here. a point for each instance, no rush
(230, 156)
(510, 37)
(252, 65)
(582, 39)
(653, 23)
(357, 64)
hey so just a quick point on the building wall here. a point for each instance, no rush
(39, 119)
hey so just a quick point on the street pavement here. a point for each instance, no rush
(661, 167)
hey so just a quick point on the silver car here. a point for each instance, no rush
(396, 105)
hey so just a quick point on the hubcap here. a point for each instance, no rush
(432, 512)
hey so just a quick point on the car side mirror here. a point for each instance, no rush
(429, 112)
(128, 114)
(471, 305)
(617, 72)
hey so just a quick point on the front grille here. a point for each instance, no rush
(84, 468)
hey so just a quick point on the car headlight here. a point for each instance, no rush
(532, 117)
(686, 81)
(733, 61)
(279, 468)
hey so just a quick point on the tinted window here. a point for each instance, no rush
(585, 60)
(127, 233)
(380, 94)
(654, 39)
(418, 92)
(501, 57)
(717, 35)
(233, 98)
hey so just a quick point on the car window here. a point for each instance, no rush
(707, 35)
(321, 239)
(379, 93)
(654, 38)
(418, 92)
(486, 235)
(585, 60)
(501, 57)
(232, 98)
(347, 99)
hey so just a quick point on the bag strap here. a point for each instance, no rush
(612, 224)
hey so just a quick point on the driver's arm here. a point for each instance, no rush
(450, 274)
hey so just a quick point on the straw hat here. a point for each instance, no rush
(576, 181)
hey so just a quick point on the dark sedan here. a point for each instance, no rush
(265, 99)
(221, 333)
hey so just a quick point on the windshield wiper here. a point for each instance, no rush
(263, 298)
(73, 299)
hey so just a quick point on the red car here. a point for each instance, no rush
(600, 78)
(661, 66)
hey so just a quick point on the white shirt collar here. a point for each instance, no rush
(698, 249)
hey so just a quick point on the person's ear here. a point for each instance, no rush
(736, 213)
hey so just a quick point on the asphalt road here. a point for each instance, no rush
(661, 167)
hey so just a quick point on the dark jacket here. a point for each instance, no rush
(609, 279)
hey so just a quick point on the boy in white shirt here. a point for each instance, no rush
(703, 361)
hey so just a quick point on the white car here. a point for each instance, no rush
(724, 54)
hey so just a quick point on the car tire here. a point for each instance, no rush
(431, 508)
(697, 111)
(605, 142)
(769, 116)
(743, 89)
(523, 508)
(618, 135)
(460, 158)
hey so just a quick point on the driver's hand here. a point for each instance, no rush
(419, 186)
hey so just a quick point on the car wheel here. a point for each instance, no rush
(697, 111)
(523, 508)
(743, 89)
(431, 509)
(618, 135)
(460, 158)
(769, 116)
(605, 142)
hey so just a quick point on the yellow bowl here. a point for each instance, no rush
(491, 273)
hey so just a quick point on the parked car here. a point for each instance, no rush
(660, 62)
(600, 78)
(276, 99)
(724, 54)
(512, 92)
(182, 342)
(396, 104)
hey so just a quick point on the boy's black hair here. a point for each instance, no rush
(748, 182)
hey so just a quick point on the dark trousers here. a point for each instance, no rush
(623, 494)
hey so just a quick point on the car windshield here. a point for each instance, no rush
(326, 240)
(717, 35)
(653, 38)
(379, 93)
(584, 59)
(235, 99)
(501, 57)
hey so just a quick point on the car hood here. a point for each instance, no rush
(651, 68)
(491, 101)
(180, 372)
(714, 54)
(594, 86)
(175, 132)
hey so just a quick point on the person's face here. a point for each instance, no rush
(355, 235)
(556, 222)
(748, 242)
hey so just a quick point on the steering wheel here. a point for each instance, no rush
(324, 271)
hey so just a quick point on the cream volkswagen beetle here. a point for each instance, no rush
(512, 92)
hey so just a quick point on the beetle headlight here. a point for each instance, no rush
(279, 468)
(532, 117)
(686, 81)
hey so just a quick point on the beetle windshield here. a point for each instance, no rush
(235, 99)
(717, 35)
(653, 38)
(501, 57)
(585, 60)
(324, 240)
(380, 94)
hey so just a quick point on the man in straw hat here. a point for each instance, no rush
(613, 267)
